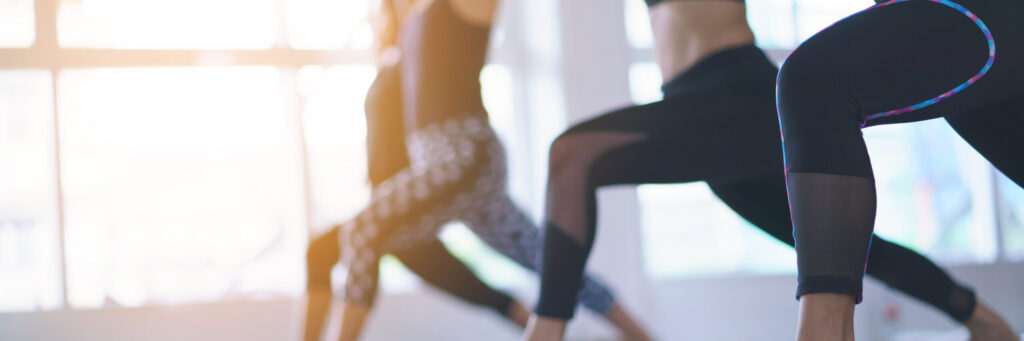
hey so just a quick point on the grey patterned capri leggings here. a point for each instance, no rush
(457, 173)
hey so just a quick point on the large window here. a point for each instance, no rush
(157, 152)
(936, 194)
(180, 184)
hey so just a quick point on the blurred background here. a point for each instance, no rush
(163, 165)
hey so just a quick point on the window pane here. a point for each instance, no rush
(772, 23)
(499, 99)
(181, 185)
(29, 263)
(815, 15)
(934, 192)
(157, 24)
(1012, 209)
(335, 132)
(329, 24)
(17, 23)
(645, 82)
(687, 231)
(638, 25)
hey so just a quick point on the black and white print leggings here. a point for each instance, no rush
(457, 173)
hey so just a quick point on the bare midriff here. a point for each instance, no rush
(687, 31)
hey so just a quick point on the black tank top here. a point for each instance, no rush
(385, 134)
(442, 55)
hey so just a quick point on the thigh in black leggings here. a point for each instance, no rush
(901, 61)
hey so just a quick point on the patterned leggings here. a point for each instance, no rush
(457, 173)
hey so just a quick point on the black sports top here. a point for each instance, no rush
(655, 2)
(442, 55)
(385, 135)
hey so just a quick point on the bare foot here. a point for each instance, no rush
(544, 329)
(825, 317)
(629, 329)
(625, 337)
(985, 325)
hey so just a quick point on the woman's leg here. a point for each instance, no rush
(499, 222)
(876, 67)
(994, 132)
(430, 260)
(697, 134)
(436, 266)
(407, 209)
(503, 226)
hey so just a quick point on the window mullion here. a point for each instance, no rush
(46, 41)
(46, 24)
(59, 187)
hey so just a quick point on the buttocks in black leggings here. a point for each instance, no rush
(717, 124)
(901, 61)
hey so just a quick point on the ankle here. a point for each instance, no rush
(826, 317)
(985, 324)
(544, 329)
(518, 314)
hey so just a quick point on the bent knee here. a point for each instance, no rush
(564, 157)
(575, 155)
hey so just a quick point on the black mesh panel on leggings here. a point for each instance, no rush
(832, 229)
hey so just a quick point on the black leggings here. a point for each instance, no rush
(430, 260)
(900, 61)
(716, 124)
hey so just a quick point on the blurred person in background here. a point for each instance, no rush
(386, 156)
